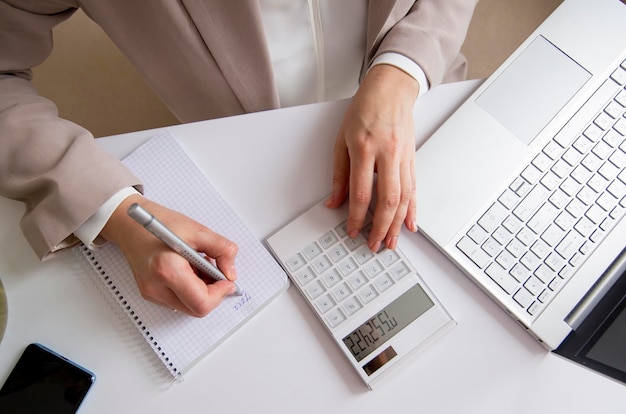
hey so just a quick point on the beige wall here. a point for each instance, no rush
(498, 27)
(95, 86)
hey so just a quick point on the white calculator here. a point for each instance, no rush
(375, 305)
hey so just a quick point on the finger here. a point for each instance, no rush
(360, 190)
(168, 299)
(406, 195)
(156, 290)
(411, 213)
(216, 293)
(177, 286)
(196, 297)
(341, 174)
(219, 248)
(389, 191)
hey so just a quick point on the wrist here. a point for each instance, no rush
(116, 228)
(405, 64)
(90, 231)
(390, 80)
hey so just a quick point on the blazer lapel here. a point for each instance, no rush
(234, 34)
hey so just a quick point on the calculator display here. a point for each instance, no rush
(389, 321)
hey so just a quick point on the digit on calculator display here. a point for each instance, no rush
(385, 324)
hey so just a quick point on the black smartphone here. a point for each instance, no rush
(43, 381)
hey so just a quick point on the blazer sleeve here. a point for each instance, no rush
(50, 164)
(429, 32)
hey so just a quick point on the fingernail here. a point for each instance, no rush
(233, 273)
(375, 246)
(413, 227)
(330, 199)
(392, 242)
(353, 234)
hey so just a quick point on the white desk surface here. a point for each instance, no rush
(270, 167)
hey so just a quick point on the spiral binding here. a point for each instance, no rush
(128, 311)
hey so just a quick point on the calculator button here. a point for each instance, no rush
(388, 257)
(337, 252)
(351, 305)
(367, 294)
(357, 280)
(353, 244)
(383, 282)
(327, 240)
(347, 266)
(363, 254)
(366, 230)
(341, 292)
(400, 270)
(335, 317)
(373, 268)
(312, 251)
(321, 264)
(296, 262)
(342, 230)
(324, 304)
(331, 278)
(305, 275)
(315, 289)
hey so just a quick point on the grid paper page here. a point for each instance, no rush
(171, 178)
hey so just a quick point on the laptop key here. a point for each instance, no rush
(473, 252)
(523, 297)
(499, 275)
(532, 201)
(493, 217)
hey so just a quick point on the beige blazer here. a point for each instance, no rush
(203, 58)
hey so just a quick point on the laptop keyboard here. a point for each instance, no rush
(556, 212)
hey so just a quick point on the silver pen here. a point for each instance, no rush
(154, 226)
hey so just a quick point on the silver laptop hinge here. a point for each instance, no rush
(597, 291)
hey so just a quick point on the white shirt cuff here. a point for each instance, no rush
(406, 65)
(89, 231)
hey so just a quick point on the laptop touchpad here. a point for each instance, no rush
(526, 96)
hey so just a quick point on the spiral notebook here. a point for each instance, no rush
(171, 178)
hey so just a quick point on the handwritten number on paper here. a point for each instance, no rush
(245, 298)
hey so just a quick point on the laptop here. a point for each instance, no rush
(524, 186)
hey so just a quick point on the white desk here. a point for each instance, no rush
(270, 167)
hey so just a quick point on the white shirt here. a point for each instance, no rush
(317, 49)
